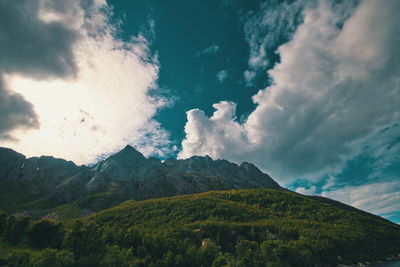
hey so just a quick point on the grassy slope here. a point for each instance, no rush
(325, 229)
(255, 227)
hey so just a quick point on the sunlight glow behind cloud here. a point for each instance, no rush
(103, 107)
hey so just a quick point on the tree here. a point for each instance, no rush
(3, 218)
(54, 258)
(208, 253)
(247, 253)
(46, 233)
(15, 228)
(19, 260)
(116, 256)
(85, 242)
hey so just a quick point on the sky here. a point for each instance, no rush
(307, 90)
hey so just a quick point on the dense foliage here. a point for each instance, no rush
(260, 227)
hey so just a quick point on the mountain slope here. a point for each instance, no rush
(256, 227)
(23, 181)
(45, 185)
(270, 226)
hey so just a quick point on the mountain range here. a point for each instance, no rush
(35, 186)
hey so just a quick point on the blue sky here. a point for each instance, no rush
(306, 90)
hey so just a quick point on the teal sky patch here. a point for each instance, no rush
(195, 42)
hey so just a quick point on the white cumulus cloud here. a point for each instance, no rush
(337, 84)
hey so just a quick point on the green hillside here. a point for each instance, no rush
(260, 227)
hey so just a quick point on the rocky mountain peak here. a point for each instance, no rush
(8, 156)
(249, 167)
(125, 165)
(200, 162)
(129, 153)
(10, 162)
(128, 158)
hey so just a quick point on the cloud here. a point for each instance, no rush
(306, 191)
(211, 50)
(267, 29)
(378, 198)
(249, 76)
(335, 87)
(15, 112)
(96, 95)
(222, 76)
(215, 135)
(32, 46)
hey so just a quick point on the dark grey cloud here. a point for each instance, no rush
(32, 47)
(15, 112)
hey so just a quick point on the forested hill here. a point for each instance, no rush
(260, 227)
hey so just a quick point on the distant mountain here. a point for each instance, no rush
(37, 185)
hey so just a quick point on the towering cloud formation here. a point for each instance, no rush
(64, 70)
(336, 86)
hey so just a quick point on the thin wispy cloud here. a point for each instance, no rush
(211, 50)
(379, 198)
(267, 29)
(222, 75)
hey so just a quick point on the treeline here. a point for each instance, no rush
(53, 243)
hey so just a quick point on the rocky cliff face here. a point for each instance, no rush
(47, 182)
